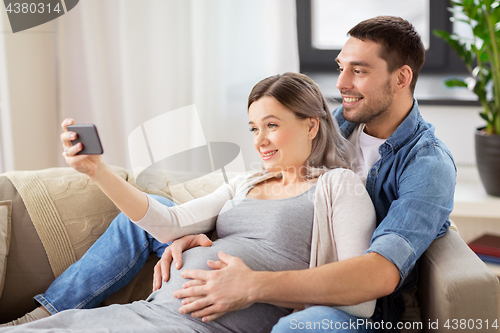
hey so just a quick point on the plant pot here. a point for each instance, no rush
(488, 161)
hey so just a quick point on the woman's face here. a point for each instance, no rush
(281, 138)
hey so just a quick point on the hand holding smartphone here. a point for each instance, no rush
(88, 136)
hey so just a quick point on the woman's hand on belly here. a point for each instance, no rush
(212, 294)
(174, 252)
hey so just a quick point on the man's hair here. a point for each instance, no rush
(400, 42)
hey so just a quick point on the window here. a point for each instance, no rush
(323, 25)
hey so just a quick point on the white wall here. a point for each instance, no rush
(455, 126)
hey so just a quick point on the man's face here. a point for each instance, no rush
(364, 82)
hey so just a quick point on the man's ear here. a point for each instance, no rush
(404, 77)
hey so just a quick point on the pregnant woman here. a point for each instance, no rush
(306, 208)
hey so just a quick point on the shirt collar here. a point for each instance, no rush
(346, 127)
(406, 129)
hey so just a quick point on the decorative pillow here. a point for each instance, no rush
(75, 211)
(5, 225)
(181, 187)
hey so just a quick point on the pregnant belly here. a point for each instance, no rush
(196, 258)
(255, 256)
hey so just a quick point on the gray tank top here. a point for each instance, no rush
(268, 235)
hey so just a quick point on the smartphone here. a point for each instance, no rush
(88, 136)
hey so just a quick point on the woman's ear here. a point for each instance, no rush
(313, 127)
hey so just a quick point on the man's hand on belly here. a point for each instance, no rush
(174, 252)
(212, 294)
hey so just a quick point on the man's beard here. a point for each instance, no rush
(370, 112)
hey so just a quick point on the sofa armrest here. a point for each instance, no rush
(455, 284)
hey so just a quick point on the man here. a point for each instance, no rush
(410, 176)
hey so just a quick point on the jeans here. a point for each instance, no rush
(108, 265)
(323, 319)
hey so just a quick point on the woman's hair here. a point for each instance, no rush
(301, 95)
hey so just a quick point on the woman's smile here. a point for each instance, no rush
(268, 154)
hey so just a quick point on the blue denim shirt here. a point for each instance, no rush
(412, 187)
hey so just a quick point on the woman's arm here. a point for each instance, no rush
(164, 223)
(167, 224)
(126, 197)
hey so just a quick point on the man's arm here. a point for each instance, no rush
(349, 212)
(347, 282)
(425, 189)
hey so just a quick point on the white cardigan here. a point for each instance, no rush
(343, 224)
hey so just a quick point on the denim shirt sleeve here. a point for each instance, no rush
(420, 214)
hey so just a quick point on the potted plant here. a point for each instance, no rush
(481, 55)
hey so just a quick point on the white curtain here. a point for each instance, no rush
(6, 146)
(123, 62)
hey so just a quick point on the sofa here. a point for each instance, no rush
(49, 218)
